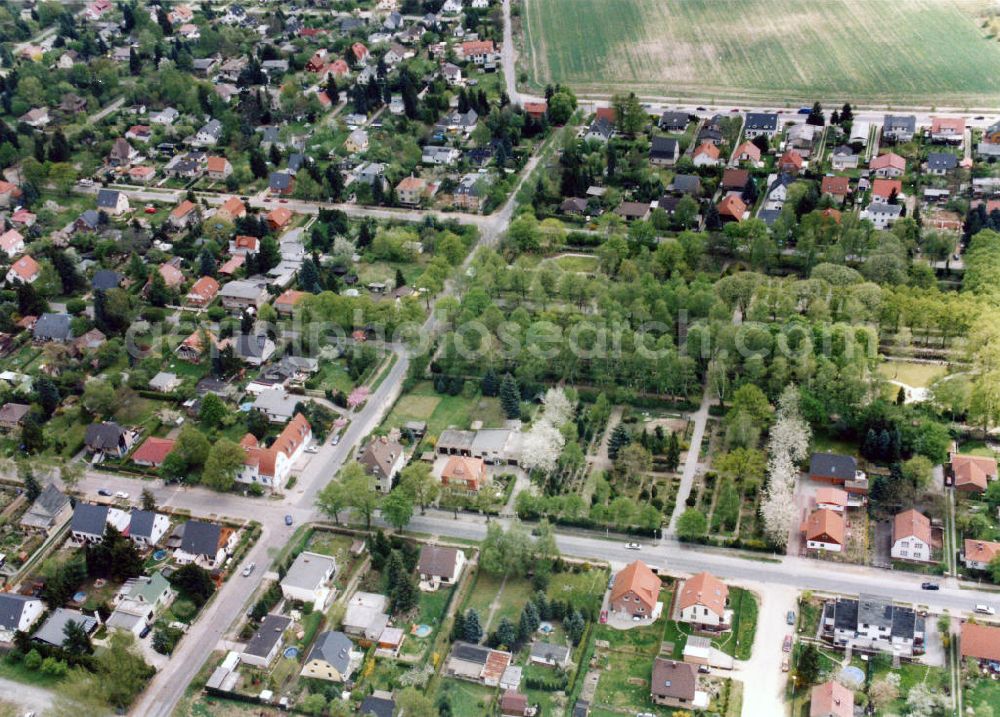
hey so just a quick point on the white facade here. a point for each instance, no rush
(819, 545)
(911, 548)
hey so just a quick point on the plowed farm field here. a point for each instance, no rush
(928, 52)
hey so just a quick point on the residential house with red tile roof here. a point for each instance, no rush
(978, 554)
(972, 473)
(790, 162)
(732, 208)
(203, 292)
(231, 209)
(270, 466)
(243, 245)
(836, 187)
(702, 603)
(285, 304)
(889, 165)
(25, 270)
(12, 242)
(153, 452)
(883, 190)
(911, 536)
(825, 530)
(279, 218)
(636, 591)
(183, 214)
(464, 473)
(706, 155)
(218, 168)
(831, 699)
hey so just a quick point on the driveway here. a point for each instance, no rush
(882, 547)
(763, 680)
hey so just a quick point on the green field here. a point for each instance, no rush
(933, 52)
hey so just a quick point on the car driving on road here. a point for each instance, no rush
(104, 492)
(249, 569)
(633, 546)
(929, 586)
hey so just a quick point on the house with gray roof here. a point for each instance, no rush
(146, 527)
(941, 163)
(331, 658)
(53, 327)
(17, 614)
(243, 294)
(760, 124)
(899, 128)
(674, 121)
(49, 512)
(112, 202)
(253, 349)
(209, 134)
(439, 565)
(108, 438)
(377, 706)
(205, 544)
(308, 579)
(276, 404)
(263, 647)
(105, 279)
(52, 632)
(873, 623)
(90, 520)
(549, 655)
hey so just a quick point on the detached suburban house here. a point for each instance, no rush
(265, 644)
(759, 124)
(331, 658)
(702, 603)
(108, 438)
(972, 474)
(675, 684)
(636, 592)
(383, 459)
(17, 614)
(981, 643)
(308, 579)
(146, 527)
(439, 566)
(978, 554)
(90, 521)
(911, 536)
(663, 151)
(825, 530)
(205, 544)
(831, 699)
(49, 512)
(477, 663)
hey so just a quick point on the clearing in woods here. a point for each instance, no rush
(932, 52)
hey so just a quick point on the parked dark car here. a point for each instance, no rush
(930, 586)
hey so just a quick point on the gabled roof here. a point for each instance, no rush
(732, 206)
(889, 159)
(47, 505)
(749, 149)
(437, 560)
(886, 187)
(637, 578)
(107, 198)
(25, 268)
(57, 327)
(980, 551)
(831, 496)
(380, 454)
(11, 607)
(837, 186)
(104, 436)
(831, 699)
(206, 286)
(141, 523)
(735, 178)
(271, 629)
(334, 648)
(201, 538)
(89, 519)
(153, 450)
(761, 121)
(825, 526)
(706, 590)
(52, 631)
(980, 642)
(833, 465)
(677, 680)
(973, 471)
(105, 279)
(707, 148)
(911, 524)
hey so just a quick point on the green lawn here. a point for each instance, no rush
(331, 375)
(510, 598)
(982, 691)
(576, 263)
(441, 411)
(467, 698)
(916, 375)
(579, 589)
(731, 48)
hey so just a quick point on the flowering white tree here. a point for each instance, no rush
(787, 445)
(543, 443)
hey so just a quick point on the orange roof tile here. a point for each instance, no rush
(825, 526)
(973, 471)
(636, 577)
(980, 642)
(706, 590)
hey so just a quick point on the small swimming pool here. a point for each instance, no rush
(853, 676)
(291, 652)
(159, 555)
(545, 628)
(422, 630)
(80, 596)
